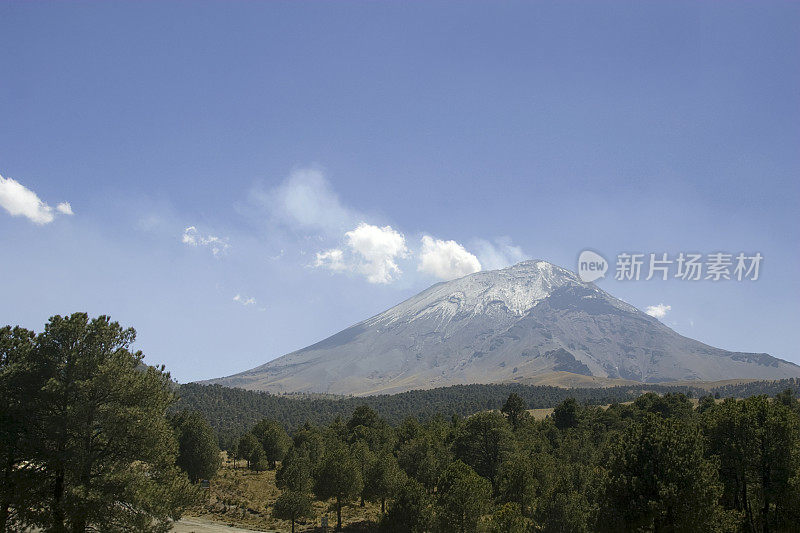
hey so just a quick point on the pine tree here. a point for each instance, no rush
(337, 476)
(411, 510)
(105, 443)
(514, 409)
(273, 439)
(251, 451)
(198, 452)
(292, 505)
(463, 497)
(22, 375)
(383, 479)
(484, 441)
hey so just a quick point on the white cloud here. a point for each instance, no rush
(307, 205)
(307, 201)
(659, 311)
(64, 208)
(370, 250)
(446, 259)
(498, 254)
(377, 250)
(332, 259)
(18, 200)
(217, 245)
(244, 300)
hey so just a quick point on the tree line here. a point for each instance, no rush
(658, 464)
(231, 412)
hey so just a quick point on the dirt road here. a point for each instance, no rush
(198, 525)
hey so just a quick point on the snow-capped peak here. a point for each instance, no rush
(513, 290)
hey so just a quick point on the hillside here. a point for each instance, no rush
(232, 412)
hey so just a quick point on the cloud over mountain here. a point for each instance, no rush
(446, 259)
(377, 250)
(658, 311)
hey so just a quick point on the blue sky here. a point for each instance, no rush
(325, 155)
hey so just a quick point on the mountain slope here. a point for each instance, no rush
(499, 326)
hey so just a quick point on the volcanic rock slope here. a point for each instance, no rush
(502, 326)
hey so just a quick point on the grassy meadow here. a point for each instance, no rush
(244, 498)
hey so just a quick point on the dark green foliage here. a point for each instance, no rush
(411, 511)
(311, 441)
(514, 409)
(409, 430)
(565, 414)
(273, 439)
(706, 402)
(198, 453)
(424, 458)
(509, 519)
(294, 477)
(94, 435)
(463, 497)
(383, 479)
(364, 416)
(293, 506)
(232, 412)
(364, 459)
(566, 511)
(755, 388)
(788, 397)
(563, 494)
(757, 442)
(249, 449)
(232, 450)
(338, 476)
(666, 406)
(484, 441)
(518, 481)
(295, 471)
(654, 465)
(22, 375)
(661, 480)
(366, 427)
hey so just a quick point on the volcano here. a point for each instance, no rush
(508, 325)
